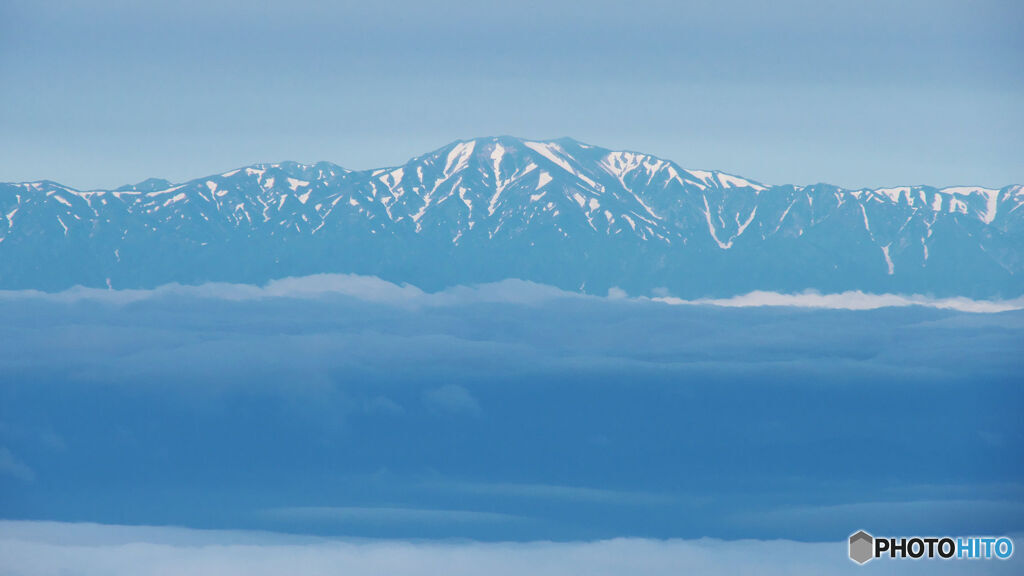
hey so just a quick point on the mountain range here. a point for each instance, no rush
(559, 212)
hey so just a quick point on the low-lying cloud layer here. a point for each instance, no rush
(373, 289)
(853, 300)
(43, 548)
(352, 407)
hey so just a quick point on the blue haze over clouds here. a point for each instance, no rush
(511, 411)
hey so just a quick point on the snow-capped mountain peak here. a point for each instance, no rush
(558, 211)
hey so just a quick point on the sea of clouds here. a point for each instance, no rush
(373, 289)
(507, 428)
(47, 548)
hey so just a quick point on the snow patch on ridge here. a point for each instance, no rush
(550, 151)
(543, 179)
(458, 157)
(888, 259)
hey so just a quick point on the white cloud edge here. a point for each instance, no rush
(33, 548)
(512, 291)
(850, 300)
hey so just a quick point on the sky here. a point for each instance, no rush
(109, 92)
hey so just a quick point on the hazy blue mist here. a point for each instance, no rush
(523, 415)
(103, 93)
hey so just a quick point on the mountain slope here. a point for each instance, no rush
(559, 212)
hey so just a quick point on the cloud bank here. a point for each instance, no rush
(349, 406)
(511, 291)
(853, 300)
(45, 548)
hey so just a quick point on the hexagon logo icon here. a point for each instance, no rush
(861, 547)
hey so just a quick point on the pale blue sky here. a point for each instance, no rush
(102, 93)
